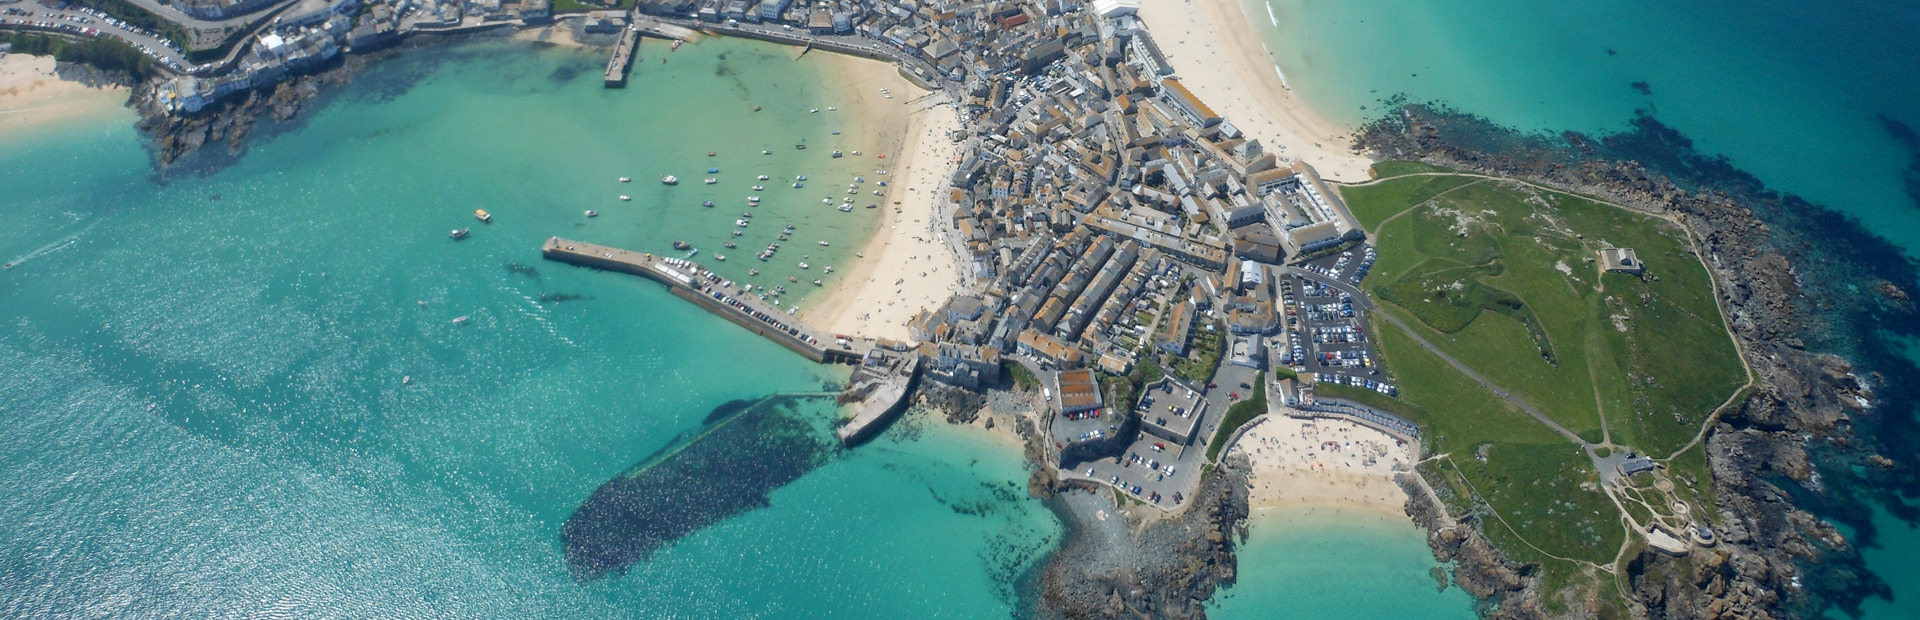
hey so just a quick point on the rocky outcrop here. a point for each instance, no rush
(1165, 569)
(1779, 283)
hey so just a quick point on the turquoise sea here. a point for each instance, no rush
(241, 393)
(1327, 562)
(1808, 97)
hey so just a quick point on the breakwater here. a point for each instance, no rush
(732, 301)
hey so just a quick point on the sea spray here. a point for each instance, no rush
(740, 455)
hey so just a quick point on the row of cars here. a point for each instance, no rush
(1360, 382)
(83, 26)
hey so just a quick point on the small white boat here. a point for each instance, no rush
(803, 265)
(740, 223)
(457, 234)
(859, 179)
(626, 179)
(846, 208)
(711, 180)
(816, 283)
(460, 320)
(625, 198)
(831, 108)
(826, 201)
(592, 213)
(836, 153)
(860, 254)
(829, 269)
(878, 193)
(483, 216)
(766, 151)
(800, 178)
(814, 111)
(759, 188)
(823, 243)
(856, 153)
(669, 180)
(720, 257)
(764, 177)
(753, 199)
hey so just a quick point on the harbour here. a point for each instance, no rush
(879, 386)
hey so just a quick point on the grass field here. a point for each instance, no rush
(1504, 277)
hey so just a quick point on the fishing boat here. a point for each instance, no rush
(676, 46)
(803, 265)
(829, 269)
(823, 243)
(592, 213)
(759, 188)
(753, 199)
(877, 193)
(882, 183)
(789, 228)
(816, 282)
(831, 108)
(782, 236)
(626, 179)
(846, 208)
(708, 203)
(460, 320)
(792, 279)
(872, 206)
(766, 151)
(764, 177)
(711, 153)
(746, 214)
(798, 185)
(859, 179)
(681, 245)
(799, 147)
(625, 198)
(740, 223)
(711, 180)
(756, 108)
(780, 289)
(695, 251)
(856, 153)
(753, 272)
(738, 232)
(670, 180)
(826, 201)
(836, 153)
(814, 111)
(730, 245)
(483, 216)
(860, 254)
(800, 178)
(457, 234)
(720, 257)
(713, 171)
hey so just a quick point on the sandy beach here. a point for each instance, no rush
(1300, 463)
(32, 96)
(905, 265)
(1217, 55)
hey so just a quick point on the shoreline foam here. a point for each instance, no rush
(1217, 54)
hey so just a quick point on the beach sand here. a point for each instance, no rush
(905, 265)
(1294, 466)
(1217, 55)
(32, 96)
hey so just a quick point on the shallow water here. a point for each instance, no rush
(243, 394)
(1328, 563)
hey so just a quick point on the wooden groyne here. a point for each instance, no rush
(731, 300)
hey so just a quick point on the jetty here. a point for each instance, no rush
(880, 387)
(622, 59)
(731, 300)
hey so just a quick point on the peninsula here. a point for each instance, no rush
(1205, 301)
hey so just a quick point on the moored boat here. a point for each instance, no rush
(625, 198)
(708, 203)
(681, 245)
(823, 243)
(669, 180)
(626, 179)
(592, 213)
(764, 177)
(457, 234)
(711, 180)
(482, 215)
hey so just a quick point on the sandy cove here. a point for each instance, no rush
(1216, 54)
(33, 96)
(1295, 466)
(906, 264)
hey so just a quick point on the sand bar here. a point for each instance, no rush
(1216, 54)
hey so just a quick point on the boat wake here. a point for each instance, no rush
(58, 245)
